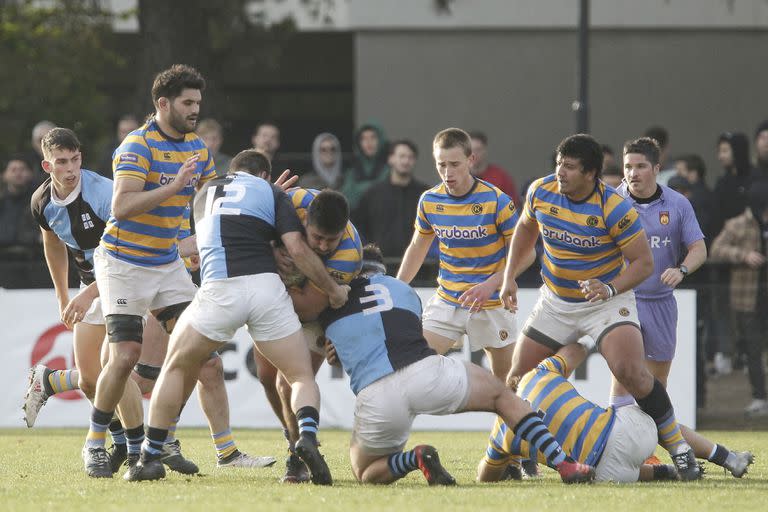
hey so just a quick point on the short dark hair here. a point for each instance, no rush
(695, 163)
(478, 135)
(607, 150)
(451, 138)
(172, 81)
(329, 211)
(740, 147)
(645, 146)
(612, 170)
(263, 124)
(17, 157)
(586, 149)
(59, 138)
(373, 259)
(659, 134)
(404, 142)
(251, 161)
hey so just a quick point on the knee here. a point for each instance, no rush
(125, 357)
(87, 386)
(212, 372)
(633, 376)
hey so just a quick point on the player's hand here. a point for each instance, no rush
(339, 296)
(508, 295)
(474, 298)
(188, 246)
(594, 290)
(286, 181)
(285, 265)
(754, 259)
(194, 262)
(672, 277)
(77, 307)
(186, 171)
(330, 353)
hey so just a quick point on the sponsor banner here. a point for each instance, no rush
(34, 335)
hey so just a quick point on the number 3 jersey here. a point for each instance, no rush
(378, 331)
(236, 218)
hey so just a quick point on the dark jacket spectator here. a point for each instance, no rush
(19, 235)
(732, 187)
(369, 165)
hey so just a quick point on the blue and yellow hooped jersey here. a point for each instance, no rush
(147, 154)
(581, 427)
(345, 263)
(582, 240)
(472, 231)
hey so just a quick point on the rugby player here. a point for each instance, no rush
(238, 217)
(595, 253)
(378, 338)
(473, 221)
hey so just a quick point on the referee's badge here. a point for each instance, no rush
(664, 218)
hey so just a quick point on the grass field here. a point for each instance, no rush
(41, 470)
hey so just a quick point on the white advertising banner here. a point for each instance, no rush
(34, 335)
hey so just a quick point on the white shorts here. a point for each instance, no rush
(312, 332)
(488, 328)
(555, 322)
(94, 315)
(259, 301)
(632, 440)
(127, 289)
(385, 409)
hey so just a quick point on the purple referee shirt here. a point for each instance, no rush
(671, 227)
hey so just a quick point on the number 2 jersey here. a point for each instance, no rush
(378, 331)
(236, 218)
(79, 219)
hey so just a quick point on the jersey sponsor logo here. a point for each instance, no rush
(460, 233)
(129, 157)
(164, 180)
(592, 221)
(656, 241)
(664, 218)
(623, 223)
(477, 209)
(570, 239)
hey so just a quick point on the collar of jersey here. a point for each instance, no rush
(471, 189)
(165, 135)
(72, 195)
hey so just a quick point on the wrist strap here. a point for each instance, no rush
(611, 290)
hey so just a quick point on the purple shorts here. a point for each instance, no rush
(658, 323)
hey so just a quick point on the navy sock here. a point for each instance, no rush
(117, 432)
(153, 443)
(135, 437)
(308, 419)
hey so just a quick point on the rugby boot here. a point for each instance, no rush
(296, 471)
(687, 467)
(307, 451)
(175, 461)
(429, 464)
(738, 463)
(117, 455)
(96, 462)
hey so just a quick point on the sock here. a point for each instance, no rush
(135, 437)
(621, 400)
(117, 432)
(225, 444)
(533, 430)
(97, 433)
(172, 431)
(61, 381)
(308, 419)
(400, 464)
(658, 406)
(719, 455)
(153, 443)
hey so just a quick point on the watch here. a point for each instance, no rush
(683, 270)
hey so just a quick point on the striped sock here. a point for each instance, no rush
(400, 464)
(61, 381)
(533, 430)
(719, 455)
(225, 444)
(117, 432)
(153, 443)
(658, 406)
(135, 437)
(308, 419)
(172, 430)
(97, 433)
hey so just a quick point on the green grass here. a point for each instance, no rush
(41, 470)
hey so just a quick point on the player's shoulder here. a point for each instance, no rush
(546, 183)
(301, 197)
(434, 193)
(674, 196)
(41, 196)
(89, 178)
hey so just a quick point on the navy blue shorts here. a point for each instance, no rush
(658, 323)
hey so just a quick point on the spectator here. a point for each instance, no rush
(661, 136)
(742, 243)
(125, 125)
(612, 175)
(387, 210)
(760, 171)
(326, 164)
(731, 188)
(609, 158)
(213, 135)
(369, 165)
(266, 138)
(489, 172)
(35, 156)
(692, 168)
(18, 232)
